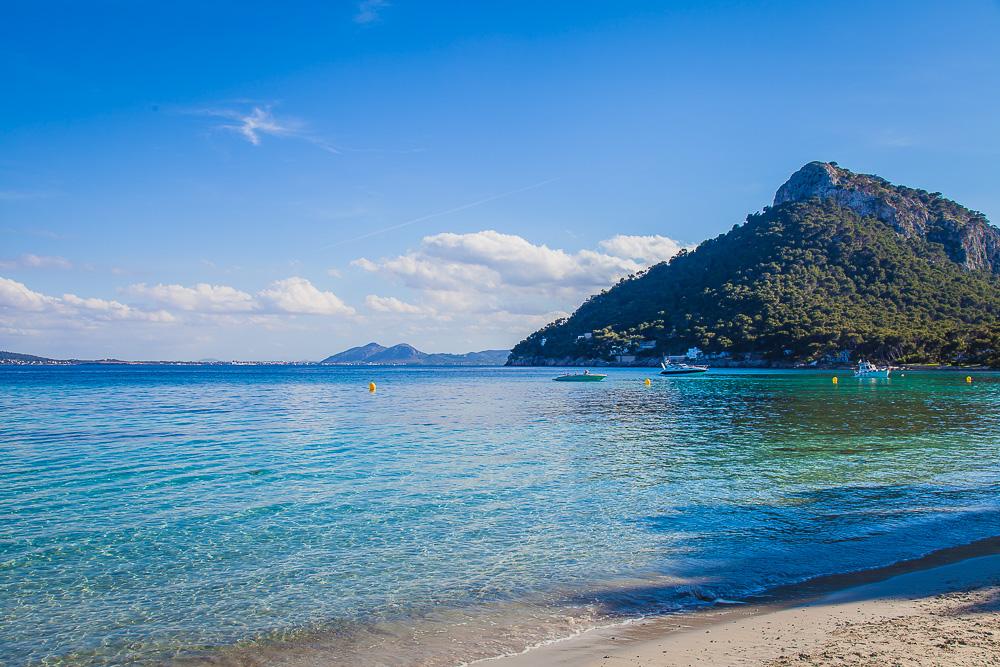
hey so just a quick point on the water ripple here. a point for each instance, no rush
(285, 515)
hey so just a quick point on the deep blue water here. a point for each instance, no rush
(257, 514)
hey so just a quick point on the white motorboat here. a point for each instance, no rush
(673, 368)
(867, 369)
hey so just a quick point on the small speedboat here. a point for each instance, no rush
(867, 369)
(674, 368)
(585, 376)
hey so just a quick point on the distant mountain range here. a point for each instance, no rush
(403, 354)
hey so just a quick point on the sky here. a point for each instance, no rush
(280, 181)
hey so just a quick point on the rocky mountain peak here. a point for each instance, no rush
(966, 235)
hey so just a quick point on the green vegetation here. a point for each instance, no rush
(796, 282)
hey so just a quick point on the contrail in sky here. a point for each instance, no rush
(437, 214)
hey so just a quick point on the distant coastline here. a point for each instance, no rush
(122, 362)
(764, 364)
(484, 358)
(593, 363)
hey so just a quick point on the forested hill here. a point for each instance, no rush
(843, 263)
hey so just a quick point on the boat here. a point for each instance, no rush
(867, 369)
(585, 376)
(674, 368)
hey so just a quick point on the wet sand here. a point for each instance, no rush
(943, 609)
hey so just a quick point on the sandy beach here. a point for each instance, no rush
(943, 609)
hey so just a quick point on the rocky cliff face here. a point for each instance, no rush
(966, 235)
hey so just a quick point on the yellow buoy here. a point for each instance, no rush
(968, 378)
(648, 382)
(835, 379)
(371, 387)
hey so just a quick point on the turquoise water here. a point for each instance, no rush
(254, 515)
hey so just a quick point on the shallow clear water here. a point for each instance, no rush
(258, 515)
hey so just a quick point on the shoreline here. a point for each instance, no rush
(800, 624)
(576, 363)
(745, 365)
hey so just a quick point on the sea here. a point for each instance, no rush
(286, 515)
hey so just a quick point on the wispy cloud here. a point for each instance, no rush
(30, 261)
(260, 121)
(370, 11)
(256, 121)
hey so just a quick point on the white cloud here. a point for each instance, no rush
(491, 260)
(369, 11)
(30, 261)
(75, 319)
(493, 274)
(299, 296)
(481, 289)
(648, 249)
(17, 299)
(17, 296)
(512, 258)
(295, 296)
(203, 298)
(390, 304)
(113, 310)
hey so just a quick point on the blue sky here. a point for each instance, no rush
(283, 180)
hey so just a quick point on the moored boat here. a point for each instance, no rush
(585, 376)
(867, 369)
(673, 368)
